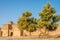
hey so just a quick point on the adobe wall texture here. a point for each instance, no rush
(13, 30)
(16, 31)
(56, 32)
(4, 30)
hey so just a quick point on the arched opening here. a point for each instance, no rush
(1, 33)
(9, 28)
(11, 34)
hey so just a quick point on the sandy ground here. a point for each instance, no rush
(28, 38)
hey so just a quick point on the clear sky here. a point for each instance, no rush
(11, 10)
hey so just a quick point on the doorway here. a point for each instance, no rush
(11, 34)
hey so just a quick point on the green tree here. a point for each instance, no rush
(22, 22)
(47, 19)
(31, 28)
(32, 25)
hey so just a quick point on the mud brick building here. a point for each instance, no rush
(11, 29)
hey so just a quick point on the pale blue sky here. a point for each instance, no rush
(10, 10)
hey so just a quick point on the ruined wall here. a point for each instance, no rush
(0, 33)
(37, 32)
(56, 32)
(16, 31)
(4, 30)
(27, 33)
